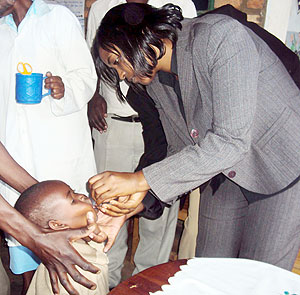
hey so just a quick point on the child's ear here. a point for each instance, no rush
(57, 225)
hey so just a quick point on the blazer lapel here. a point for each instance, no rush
(170, 106)
(185, 74)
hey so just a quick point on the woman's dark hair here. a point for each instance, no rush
(133, 28)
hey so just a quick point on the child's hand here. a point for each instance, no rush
(97, 235)
(56, 85)
(111, 226)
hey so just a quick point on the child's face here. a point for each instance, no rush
(70, 208)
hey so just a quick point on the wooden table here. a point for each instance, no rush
(149, 280)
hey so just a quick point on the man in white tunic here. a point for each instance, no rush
(51, 140)
(119, 145)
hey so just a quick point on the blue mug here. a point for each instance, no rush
(29, 88)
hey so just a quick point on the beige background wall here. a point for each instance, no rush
(255, 9)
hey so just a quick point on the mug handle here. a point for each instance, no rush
(49, 91)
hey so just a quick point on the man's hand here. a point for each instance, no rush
(56, 252)
(97, 109)
(56, 85)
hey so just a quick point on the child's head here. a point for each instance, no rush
(53, 204)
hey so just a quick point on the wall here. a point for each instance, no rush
(293, 29)
(255, 9)
(277, 17)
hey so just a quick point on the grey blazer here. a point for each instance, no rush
(242, 112)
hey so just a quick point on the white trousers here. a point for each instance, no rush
(188, 241)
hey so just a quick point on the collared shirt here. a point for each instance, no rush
(35, 9)
(97, 12)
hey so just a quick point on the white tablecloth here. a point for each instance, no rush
(228, 276)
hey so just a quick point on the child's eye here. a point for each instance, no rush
(116, 62)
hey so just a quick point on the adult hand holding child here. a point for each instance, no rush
(59, 257)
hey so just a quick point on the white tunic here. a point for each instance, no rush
(51, 140)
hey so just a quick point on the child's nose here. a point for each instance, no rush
(121, 74)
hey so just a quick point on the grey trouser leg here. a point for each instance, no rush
(4, 281)
(267, 230)
(156, 239)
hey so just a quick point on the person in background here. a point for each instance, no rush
(119, 142)
(53, 249)
(188, 239)
(229, 107)
(51, 140)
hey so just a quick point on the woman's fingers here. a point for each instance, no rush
(109, 185)
(123, 205)
(113, 210)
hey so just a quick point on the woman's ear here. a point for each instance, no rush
(56, 225)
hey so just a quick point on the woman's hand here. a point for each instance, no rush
(56, 85)
(122, 206)
(110, 185)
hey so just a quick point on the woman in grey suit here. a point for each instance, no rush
(231, 114)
